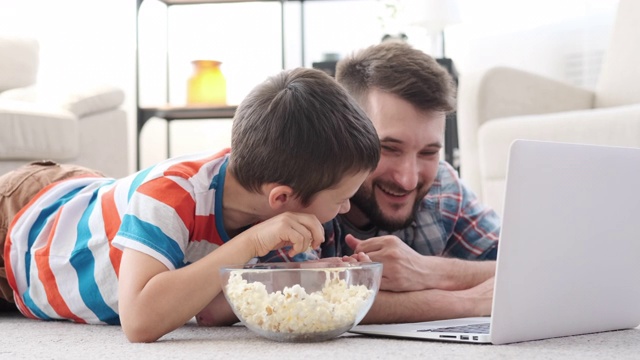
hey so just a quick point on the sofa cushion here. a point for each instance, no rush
(94, 100)
(37, 131)
(81, 102)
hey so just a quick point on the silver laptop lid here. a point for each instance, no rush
(574, 269)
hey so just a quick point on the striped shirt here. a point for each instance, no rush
(450, 221)
(65, 245)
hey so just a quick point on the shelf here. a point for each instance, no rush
(170, 113)
(183, 112)
(190, 112)
(193, 2)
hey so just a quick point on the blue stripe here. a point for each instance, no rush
(28, 301)
(84, 263)
(41, 222)
(139, 179)
(143, 232)
(219, 186)
(36, 229)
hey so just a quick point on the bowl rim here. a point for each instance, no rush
(314, 265)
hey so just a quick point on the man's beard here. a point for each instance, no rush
(365, 200)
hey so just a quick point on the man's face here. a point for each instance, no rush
(411, 141)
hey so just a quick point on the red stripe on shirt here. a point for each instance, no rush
(169, 192)
(11, 277)
(48, 279)
(190, 168)
(205, 229)
(112, 222)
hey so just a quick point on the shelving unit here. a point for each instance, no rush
(170, 112)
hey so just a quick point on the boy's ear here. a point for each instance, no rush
(280, 196)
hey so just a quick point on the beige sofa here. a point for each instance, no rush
(502, 104)
(86, 126)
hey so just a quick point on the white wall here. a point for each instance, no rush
(87, 41)
(541, 36)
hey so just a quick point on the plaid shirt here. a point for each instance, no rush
(450, 222)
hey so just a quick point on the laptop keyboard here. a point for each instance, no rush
(480, 328)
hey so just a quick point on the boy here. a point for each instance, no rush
(144, 251)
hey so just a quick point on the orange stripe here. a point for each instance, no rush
(11, 279)
(190, 168)
(48, 279)
(205, 229)
(25, 310)
(172, 194)
(112, 221)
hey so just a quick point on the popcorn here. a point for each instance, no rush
(293, 310)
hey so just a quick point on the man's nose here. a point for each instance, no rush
(406, 173)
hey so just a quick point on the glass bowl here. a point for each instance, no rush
(301, 301)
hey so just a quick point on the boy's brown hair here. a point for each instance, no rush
(397, 68)
(300, 128)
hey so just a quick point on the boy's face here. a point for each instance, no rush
(411, 141)
(331, 202)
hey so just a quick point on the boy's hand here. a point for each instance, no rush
(298, 230)
(357, 257)
(336, 260)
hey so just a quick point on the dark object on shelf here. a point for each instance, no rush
(451, 152)
(400, 36)
(327, 66)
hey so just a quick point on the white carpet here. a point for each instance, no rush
(31, 339)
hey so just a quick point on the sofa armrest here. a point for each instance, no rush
(36, 131)
(502, 92)
(505, 92)
(616, 126)
(81, 102)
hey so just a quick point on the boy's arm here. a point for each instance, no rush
(154, 301)
(217, 313)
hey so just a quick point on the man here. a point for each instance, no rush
(416, 215)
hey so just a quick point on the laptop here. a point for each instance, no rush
(569, 250)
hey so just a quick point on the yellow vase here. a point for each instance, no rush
(207, 86)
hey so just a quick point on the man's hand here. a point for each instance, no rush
(355, 258)
(406, 270)
(403, 268)
(298, 230)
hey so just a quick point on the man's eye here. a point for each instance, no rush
(430, 153)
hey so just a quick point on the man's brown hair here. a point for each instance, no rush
(300, 128)
(397, 68)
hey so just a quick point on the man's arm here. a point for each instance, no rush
(406, 270)
(457, 274)
(429, 305)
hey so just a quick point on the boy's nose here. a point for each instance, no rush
(346, 206)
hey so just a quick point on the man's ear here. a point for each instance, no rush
(280, 196)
